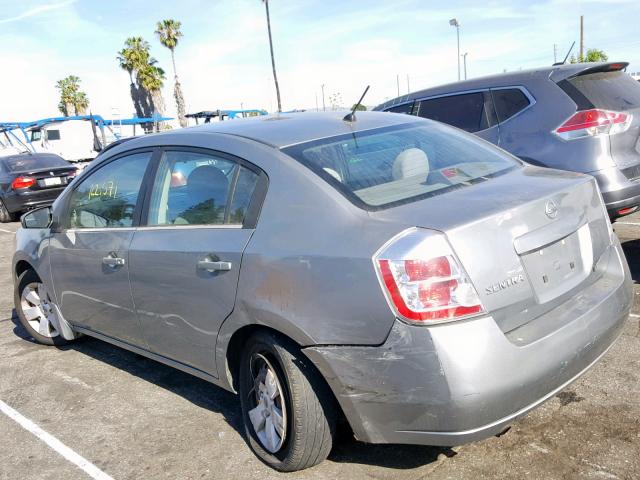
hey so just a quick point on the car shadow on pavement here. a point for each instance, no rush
(631, 250)
(208, 396)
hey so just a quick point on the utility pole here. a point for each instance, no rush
(555, 53)
(581, 58)
(317, 109)
(464, 57)
(324, 109)
(398, 83)
(408, 89)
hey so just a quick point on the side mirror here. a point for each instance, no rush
(38, 218)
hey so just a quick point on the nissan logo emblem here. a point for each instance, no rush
(551, 209)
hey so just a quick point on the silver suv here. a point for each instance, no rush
(582, 117)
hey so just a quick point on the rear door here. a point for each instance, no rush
(471, 111)
(90, 252)
(185, 263)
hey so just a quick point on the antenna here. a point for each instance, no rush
(351, 117)
(567, 56)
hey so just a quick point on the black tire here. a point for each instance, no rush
(5, 216)
(28, 278)
(311, 410)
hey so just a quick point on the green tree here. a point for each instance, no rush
(593, 55)
(145, 76)
(72, 100)
(273, 61)
(359, 107)
(169, 34)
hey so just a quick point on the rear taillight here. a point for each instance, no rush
(589, 123)
(423, 279)
(22, 182)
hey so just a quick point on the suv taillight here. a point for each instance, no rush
(22, 182)
(589, 123)
(423, 280)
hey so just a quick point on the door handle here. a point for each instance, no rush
(113, 261)
(213, 266)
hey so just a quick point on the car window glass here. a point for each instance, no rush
(611, 90)
(508, 102)
(469, 111)
(107, 197)
(26, 162)
(193, 188)
(403, 163)
(53, 134)
(405, 108)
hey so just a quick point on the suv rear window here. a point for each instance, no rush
(609, 90)
(471, 112)
(389, 166)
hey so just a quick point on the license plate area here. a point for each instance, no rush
(560, 266)
(51, 181)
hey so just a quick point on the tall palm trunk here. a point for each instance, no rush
(273, 61)
(177, 93)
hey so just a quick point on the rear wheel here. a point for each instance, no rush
(5, 216)
(288, 411)
(36, 310)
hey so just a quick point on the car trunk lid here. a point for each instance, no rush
(527, 239)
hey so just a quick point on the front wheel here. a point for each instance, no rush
(288, 411)
(36, 310)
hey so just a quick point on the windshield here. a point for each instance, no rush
(400, 164)
(29, 162)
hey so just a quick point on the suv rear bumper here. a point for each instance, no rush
(618, 191)
(463, 381)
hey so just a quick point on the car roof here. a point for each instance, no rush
(554, 72)
(282, 130)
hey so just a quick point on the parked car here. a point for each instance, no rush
(406, 275)
(30, 180)
(581, 117)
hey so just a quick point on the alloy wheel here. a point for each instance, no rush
(38, 310)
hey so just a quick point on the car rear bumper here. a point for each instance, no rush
(618, 192)
(459, 382)
(20, 201)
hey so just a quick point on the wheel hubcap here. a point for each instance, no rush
(269, 415)
(37, 309)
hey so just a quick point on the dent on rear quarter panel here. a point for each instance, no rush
(307, 270)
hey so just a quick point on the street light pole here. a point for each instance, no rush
(454, 23)
(324, 109)
(464, 58)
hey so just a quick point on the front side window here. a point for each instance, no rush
(392, 165)
(107, 197)
(194, 188)
(471, 112)
(508, 102)
(36, 135)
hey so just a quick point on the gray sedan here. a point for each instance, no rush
(389, 271)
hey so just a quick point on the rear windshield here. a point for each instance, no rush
(609, 90)
(400, 164)
(27, 162)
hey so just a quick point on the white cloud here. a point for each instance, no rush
(47, 7)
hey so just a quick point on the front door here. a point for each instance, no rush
(90, 253)
(185, 263)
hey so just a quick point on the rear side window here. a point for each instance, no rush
(384, 167)
(53, 134)
(508, 102)
(608, 90)
(471, 112)
(193, 188)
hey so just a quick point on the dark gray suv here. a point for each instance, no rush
(581, 117)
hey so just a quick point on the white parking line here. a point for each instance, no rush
(6, 231)
(627, 223)
(634, 315)
(88, 467)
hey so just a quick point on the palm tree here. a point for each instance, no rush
(126, 62)
(273, 61)
(72, 100)
(151, 79)
(169, 33)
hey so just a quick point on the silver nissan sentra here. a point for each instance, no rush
(392, 271)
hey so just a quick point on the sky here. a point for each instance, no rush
(223, 59)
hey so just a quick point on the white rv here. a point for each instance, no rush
(73, 140)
